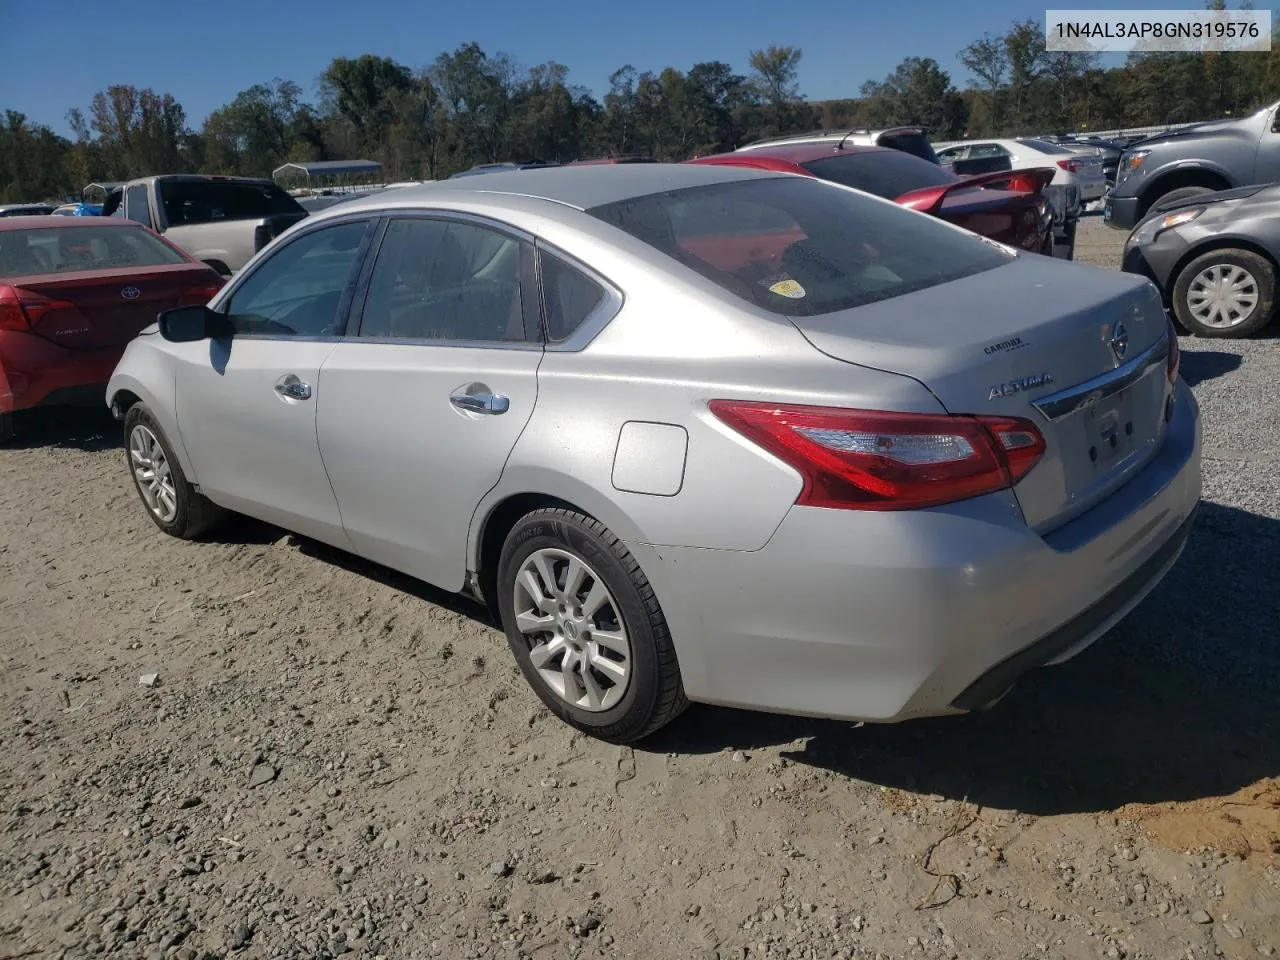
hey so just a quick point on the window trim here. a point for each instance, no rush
(530, 280)
(223, 300)
(594, 323)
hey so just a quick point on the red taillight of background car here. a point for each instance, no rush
(1071, 166)
(873, 460)
(200, 295)
(19, 314)
(11, 314)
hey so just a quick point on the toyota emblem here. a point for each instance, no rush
(131, 293)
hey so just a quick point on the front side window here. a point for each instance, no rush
(797, 246)
(444, 280)
(297, 291)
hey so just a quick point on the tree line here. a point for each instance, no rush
(469, 106)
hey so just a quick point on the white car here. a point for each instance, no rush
(1074, 169)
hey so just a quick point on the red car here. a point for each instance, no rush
(1007, 206)
(73, 292)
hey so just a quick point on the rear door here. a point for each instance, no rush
(421, 409)
(247, 404)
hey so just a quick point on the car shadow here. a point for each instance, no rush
(239, 529)
(1177, 703)
(74, 428)
(1197, 366)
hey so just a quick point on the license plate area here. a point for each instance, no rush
(1110, 432)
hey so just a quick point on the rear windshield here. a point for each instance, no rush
(916, 144)
(75, 249)
(206, 201)
(799, 247)
(887, 174)
(1044, 146)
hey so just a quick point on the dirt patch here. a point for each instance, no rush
(1245, 823)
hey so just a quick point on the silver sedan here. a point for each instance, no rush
(694, 433)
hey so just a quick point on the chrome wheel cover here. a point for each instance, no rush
(1223, 296)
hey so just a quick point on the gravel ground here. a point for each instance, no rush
(337, 761)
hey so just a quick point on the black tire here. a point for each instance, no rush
(195, 514)
(654, 695)
(1264, 275)
(1181, 193)
(8, 428)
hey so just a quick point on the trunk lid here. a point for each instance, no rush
(1004, 341)
(93, 309)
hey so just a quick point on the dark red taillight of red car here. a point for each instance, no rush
(875, 460)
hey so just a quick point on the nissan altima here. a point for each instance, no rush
(695, 433)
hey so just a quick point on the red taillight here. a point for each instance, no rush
(23, 314)
(202, 294)
(1071, 166)
(11, 315)
(871, 460)
(1173, 363)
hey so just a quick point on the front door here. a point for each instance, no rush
(247, 404)
(422, 407)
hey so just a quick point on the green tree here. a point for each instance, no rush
(918, 92)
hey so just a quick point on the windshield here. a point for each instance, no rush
(886, 173)
(76, 249)
(798, 247)
(205, 201)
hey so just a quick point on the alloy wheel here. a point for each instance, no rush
(151, 470)
(577, 640)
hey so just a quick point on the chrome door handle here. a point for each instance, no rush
(480, 401)
(291, 388)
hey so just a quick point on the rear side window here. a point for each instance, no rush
(886, 173)
(444, 280)
(77, 249)
(916, 144)
(569, 297)
(799, 247)
(207, 201)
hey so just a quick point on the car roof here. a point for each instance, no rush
(62, 223)
(802, 152)
(580, 187)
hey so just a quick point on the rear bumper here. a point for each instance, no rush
(887, 616)
(35, 372)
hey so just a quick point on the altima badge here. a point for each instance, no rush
(1018, 384)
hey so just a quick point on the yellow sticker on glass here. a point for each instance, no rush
(788, 288)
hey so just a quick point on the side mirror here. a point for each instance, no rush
(189, 324)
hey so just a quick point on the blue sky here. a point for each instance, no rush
(55, 54)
